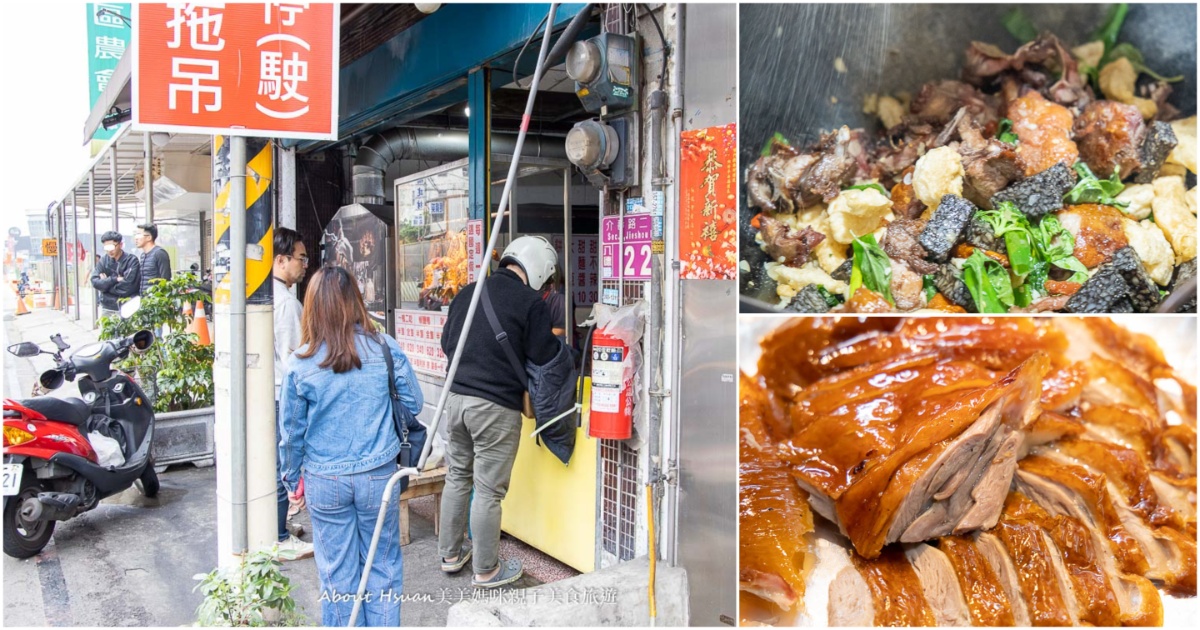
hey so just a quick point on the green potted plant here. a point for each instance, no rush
(176, 372)
(255, 592)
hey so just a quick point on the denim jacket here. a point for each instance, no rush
(341, 424)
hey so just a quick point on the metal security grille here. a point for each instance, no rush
(619, 462)
(619, 502)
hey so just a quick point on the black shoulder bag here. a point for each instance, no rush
(412, 433)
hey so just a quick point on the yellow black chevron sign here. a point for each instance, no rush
(260, 213)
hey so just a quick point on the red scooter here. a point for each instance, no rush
(51, 471)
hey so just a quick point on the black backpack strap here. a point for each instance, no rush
(401, 428)
(501, 336)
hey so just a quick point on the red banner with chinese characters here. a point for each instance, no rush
(708, 203)
(239, 69)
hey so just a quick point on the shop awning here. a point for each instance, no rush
(173, 199)
(117, 94)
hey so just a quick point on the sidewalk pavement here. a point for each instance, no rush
(131, 561)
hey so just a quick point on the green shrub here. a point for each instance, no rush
(253, 593)
(175, 372)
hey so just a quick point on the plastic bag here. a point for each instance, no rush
(108, 450)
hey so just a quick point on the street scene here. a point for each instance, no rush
(374, 314)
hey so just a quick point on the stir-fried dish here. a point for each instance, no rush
(1049, 179)
(981, 471)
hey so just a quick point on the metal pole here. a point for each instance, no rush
(64, 300)
(465, 334)
(75, 247)
(92, 220)
(287, 187)
(148, 186)
(567, 251)
(237, 336)
(112, 188)
(670, 412)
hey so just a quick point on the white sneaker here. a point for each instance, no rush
(298, 548)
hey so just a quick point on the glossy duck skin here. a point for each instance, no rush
(986, 599)
(774, 516)
(804, 350)
(867, 438)
(895, 589)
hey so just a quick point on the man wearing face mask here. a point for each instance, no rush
(118, 275)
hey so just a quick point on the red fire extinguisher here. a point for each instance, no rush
(612, 406)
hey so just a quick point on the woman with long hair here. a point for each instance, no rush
(338, 429)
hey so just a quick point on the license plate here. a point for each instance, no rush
(12, 478)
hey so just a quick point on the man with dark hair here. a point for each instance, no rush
(118, 275)
(288, 268)
(156, 262)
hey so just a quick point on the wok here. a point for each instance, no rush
(789, 83)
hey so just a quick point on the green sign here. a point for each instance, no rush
(109, 34)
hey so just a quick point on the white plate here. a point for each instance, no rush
(12, 478)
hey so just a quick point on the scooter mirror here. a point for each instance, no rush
(142, 340)
(25, 349)
(52, 379)
(131, 306)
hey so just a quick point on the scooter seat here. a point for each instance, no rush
(70, 410)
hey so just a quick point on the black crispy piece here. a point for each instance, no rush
(1040, 194)
(946, 227)
(1184, 272)
(1105, 291)
(1160, 141)
(952, 287)
(843, 271)
(809, 300)
(980, 234)
(1143, 292)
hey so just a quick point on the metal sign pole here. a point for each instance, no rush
(237, 336)
(463, 336)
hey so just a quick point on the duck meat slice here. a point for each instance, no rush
(1110, 136)
(902, 456)
(788, 179)
(940, 585)
(987, 600)
(1045, 587)
(997, 558)
(1044, 130)
(773, 514)
(1040, 194)
(902, 242)
(989, 164)
(787, 245)
(880, 591)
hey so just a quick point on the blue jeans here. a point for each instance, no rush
(344, 510)
(281, 493)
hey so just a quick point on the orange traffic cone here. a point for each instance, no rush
(187, 309)
(22, 308)
(56, 306)
(200, 326)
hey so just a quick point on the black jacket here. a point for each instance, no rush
(484, 371)
(156, 263)
(129, 268)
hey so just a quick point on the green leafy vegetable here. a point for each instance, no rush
(1005, 133)
(930, 287)
(1008, 221)
(989, 284)
(1020, 26)
(1056, 246)
(1112, 25)
(1130, 52)
(778, 137)
(830, 299)
(871, 186)
(1092, 189)
(871, 268)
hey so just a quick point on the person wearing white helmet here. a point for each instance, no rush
(485, 402)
